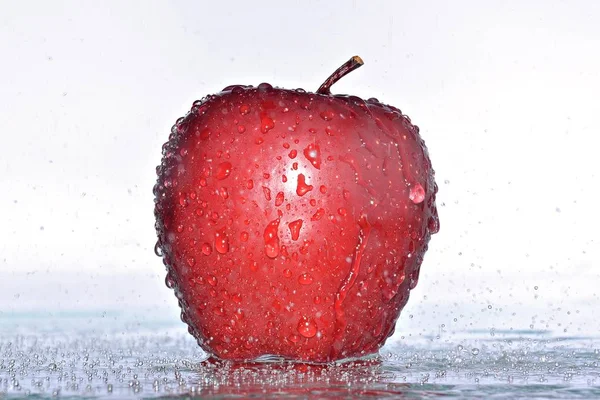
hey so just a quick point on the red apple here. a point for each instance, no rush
(291, 223)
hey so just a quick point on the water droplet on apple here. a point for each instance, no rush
(318, 215)
(224, 193)
(265, 87)
(323, 189)
(307, 327)
(223, 170)
(295, 227)
(244, 236)
(157, 249)
(266, 124)
(433, 223)
(206, 249)
(294, 338)
(417, 193)
(221, 242)
(244, 109)
(302, 187)
(169, 281)
(236, 298)
(305, 279)
(271, 239)
(279, 199)
(378, 329)
(219, 311)
(241, 129)
(327, 115)
(312, 152)
(267, 193)
(293, 154)
(287, 273)
(212, 280)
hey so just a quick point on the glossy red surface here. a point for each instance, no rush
(293, 223)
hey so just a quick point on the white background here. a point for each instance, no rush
(507, 95)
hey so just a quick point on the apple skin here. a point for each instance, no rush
(293, 224)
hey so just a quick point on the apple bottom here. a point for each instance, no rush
(244, 335)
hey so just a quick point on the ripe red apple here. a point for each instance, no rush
(291, 223)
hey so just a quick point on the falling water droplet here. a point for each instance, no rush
(417, 193)
(307, 327)
(272, 239)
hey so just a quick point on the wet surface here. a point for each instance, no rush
(96, 358)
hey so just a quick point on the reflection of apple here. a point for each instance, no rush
(293, 223)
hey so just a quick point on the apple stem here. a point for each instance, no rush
(349, 66)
